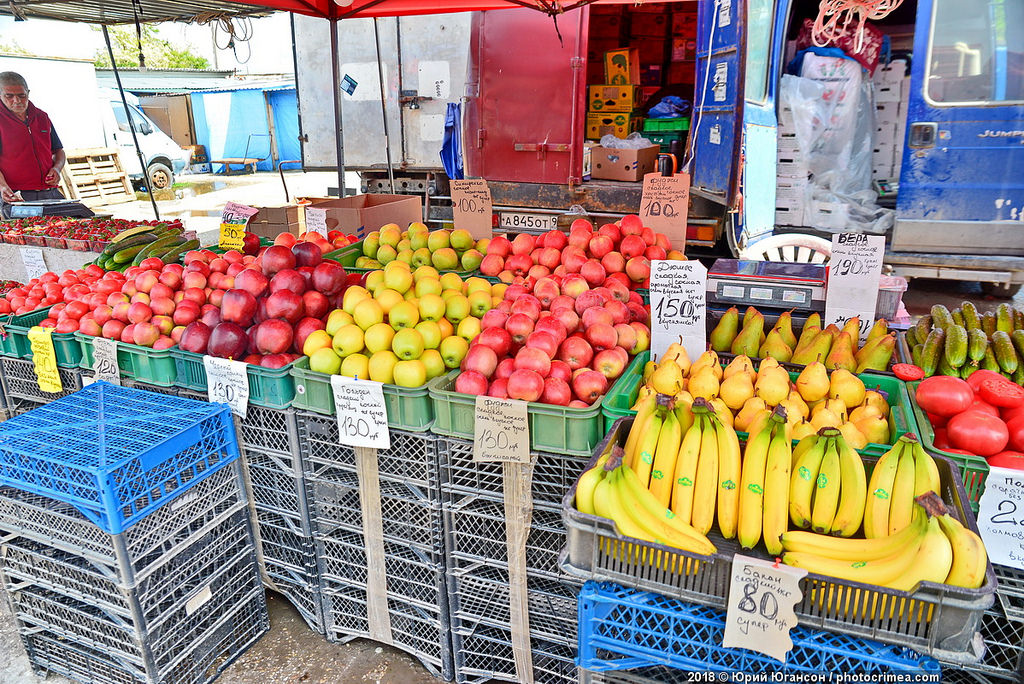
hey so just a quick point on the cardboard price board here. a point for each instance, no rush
(44, 358)
(228, 383)
(854, 270)
(1001, 517)
(471, 207)
(362, 415)
(316, 220)
(104, 360)
(665, 205)
(35, 263)
(760, 613)
(232, 225)
(501, 431)
(678, 306)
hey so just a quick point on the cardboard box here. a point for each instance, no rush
(684, 23)
(619, 124)
(269, 229)
(683, 49)
(608, 25)
(650, 78)
(883, 156)
(363, 214)
(624, 165)
(893, 72)
(649, 24)
(622, 66)
(613, 98)
(588, 159)
(885, 133)
(788, 146)
(651, 50)
(791, 167)
(905, 90)
(284, 213)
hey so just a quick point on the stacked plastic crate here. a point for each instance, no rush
(1002, 628)
(405, 604)
(128, 553)
(21, 386)
(479, 587)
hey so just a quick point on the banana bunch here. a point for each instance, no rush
(619, 495)
(960, 342)
(904, 473)
(764, 485)
(934, 547)
(828, 486)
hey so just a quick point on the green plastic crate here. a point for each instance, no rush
(553, 429)
(409, 408)
(217, 249)
(142, 364)
(16, 344)
(346, 256)
(664, 140)
(622, 395)
(270, 387)
(973, 469)
(681, 123)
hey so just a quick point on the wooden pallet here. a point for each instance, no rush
(95, 177)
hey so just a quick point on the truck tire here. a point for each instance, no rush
(1000, 290)
(160, 175)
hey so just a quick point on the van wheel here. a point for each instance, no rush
(161, 176)
(1000, 290)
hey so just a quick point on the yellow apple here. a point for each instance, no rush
(453, 349)
(438, 239)
(386, 254)
(433, 362)
(324, 360)
(404, 315)
(451, 281)
(498, 290)
(404, 257)
(432, 307)
(374, 280)
(475, 284)
(446, 259)
(426, 272)
(390, 234)
(351, 298)
(367, 313)
(480, 303)
(356, 366)
(407, 344)
(338, 318)
(382, 366)
(421, 257)
(318, 339)
(425, 286)
(348, 340)
(378, 337)
(410, 373)
(468, 328)
(431, 332)
(456, 309)
(387, 298)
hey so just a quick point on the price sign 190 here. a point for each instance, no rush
(847, 266)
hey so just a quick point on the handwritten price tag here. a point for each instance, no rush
(35, 263)
(316, 220)
(44, 358)
(678, 306)
(854, 270)
(362, 415)
(1001, 516)
(471, 207)
(760, 611)
(501, 431)
(227, 382)
(104, 360)
(665, 205)
(232, 225)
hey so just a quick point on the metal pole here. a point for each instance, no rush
(339, 140)
(131, 125)
(384, 108)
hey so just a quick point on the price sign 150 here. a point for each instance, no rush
(675, 307)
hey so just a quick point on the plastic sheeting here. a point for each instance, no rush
(451, 149)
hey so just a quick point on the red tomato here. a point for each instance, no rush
(907, 371)
(937, 421)
(983, 434)
(5, 306)
(943, 395)
(1007, 459)
(941, 439)
(1012, 413)
(977, 377)
(951, 450)
(1002, 392)
(979, 405)
(1016, 430)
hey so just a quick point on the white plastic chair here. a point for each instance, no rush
(789, 247)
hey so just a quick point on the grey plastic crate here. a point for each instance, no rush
(412, 459)
(1004, 647)
(303, 596)
(480, 593)
(1010, 591)
(145, 386)
(407, 519)
(204, 652)
(421, 632)
(475, 531)
(287, 540)
(269, 430)
(22, 383)
(276, 484)
(553, 474)
(484, 652)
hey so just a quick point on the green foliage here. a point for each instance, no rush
(159, 52)
(12, 48)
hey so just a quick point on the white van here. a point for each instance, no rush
(164, 158)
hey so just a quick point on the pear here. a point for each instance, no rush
(854, 437)
(704, 384)
(814, 320)
(641, 395)
(721, 410)
(815, 350)
(880, 328)
(708, 359)
(767, 364)
(807, 334)
(838, 407)
(772, 386)
(793, 416)
(749, 315)
(864, 411)
(677, 352)
(668, 378)
(875, 398)
(785, 327)
(649, 369)
(841, 355)
(803, 429)
(749, 339)
(813, 383)
(759, 422)
(775, 347)
(824, 418)
(740, 364)
(725, 332)
(799, 402)
(751, 408)
(876, 353)
(852, 327)
(834, 329)
(846, 386)
(875, 429)
(735, 390)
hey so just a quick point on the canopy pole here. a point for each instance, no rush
(131, 123)
(384, 107)
(339, 140)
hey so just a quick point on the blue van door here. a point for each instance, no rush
(962, 180)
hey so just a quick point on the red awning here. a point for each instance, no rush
(392, 8)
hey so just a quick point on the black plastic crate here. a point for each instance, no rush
(484, 652)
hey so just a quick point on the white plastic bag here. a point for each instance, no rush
(633, 141)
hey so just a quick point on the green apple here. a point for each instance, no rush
(382, 366)
(419, 238)
(390, 235)
(405, 256)
(410, 373)
(421, 257)
(456, 308)
(438, 239)
(471, 260)
(482, 245)
(453, 349)
(356, 366)
(461, 240)
(404, 244)
(431, 333)
(433, 362)
(425, 286)
(386, 254)
(370, 245)
(479, 303)
(407, 344)
(445, 259)
(324, 360)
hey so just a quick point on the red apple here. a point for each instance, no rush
(276, 258)
(632, 246)
(552, 325)
(165, 324)
(576, 352)
(274, 336)
(587, 300)
(497, 339)
(329, 278)
(145, 334)
(597, 315)
(601, 336)
(196, 294)
(317, 305)
(589, 386)
(471, 382)
(544, 341)
(492, 264)
(631, 224)
(307, 254)
(495, 318)
(549, 257)
(228, 340)
(525, 384)
(609, 364)
(112, 329)
(505, 368)
(618, 310)
(574, 285)
(239, 306)
(303, 329)
(519, 326)
(519, 264)
(195, 337)
(499, 247)
(139, 312)
(568, 317)
(643, 338)
(128, 334)
(654, 252)
(556, 391)
(170, 278)
(638, 269)
(285, 304)
(482, 359)
(498, 388)
(600, 245)
(523, 244)
(527, 304)
(176, 332)
(554, 239)
(573, 259)
(560, 369)
(252, 281)
(612, 231)
(288, 279)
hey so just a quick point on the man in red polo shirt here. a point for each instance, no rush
(31, 154)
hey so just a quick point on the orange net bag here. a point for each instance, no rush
(834, 16)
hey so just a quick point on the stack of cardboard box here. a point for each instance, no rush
(611, 106)
(892, 93)
(682, 67)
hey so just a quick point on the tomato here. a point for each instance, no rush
(1009, 414)
(1007, 459)
(1002, 392)
(943, 395)
(941, 439)
(977, 377)
(907, 371)
(984, 407)
(1016, 430)
(985, 435)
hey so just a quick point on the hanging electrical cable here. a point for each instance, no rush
(238, 31)
(136, 9)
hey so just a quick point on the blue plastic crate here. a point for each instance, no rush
(621, 629)
(115, 453)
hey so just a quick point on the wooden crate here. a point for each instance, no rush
(95, 176)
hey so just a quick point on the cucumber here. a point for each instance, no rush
(958, 318)
(1004, 318)
(177, 251)
(1017, 337)
(125, 234)
(932, 352)
(977, 343)
(941, 318)
(911, 337)
(970, 314)
(922, 328)
(157, 247)
(138, 239)
(125, 256)
(988, 323)
(915, 355)
(968, 369)
(1006, 355)
(989, 362)
(955, 346)
(945, 369)
(1018, 319)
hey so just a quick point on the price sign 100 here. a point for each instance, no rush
(657, 208)
(471, 206)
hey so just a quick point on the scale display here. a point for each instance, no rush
(51, 207)
(767, 284)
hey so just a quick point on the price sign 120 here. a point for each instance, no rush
(104, 360)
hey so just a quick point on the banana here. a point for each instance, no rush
(630, 489)
(705, 485)
(665, 459)
(643, 459)
(931, 563)
(729, 475)
(826, 491)
(876, 508)
(755, 459)
(856, 549)
(970, 560)
(926, 473)
(852, 491)
(686, 472)
(901, 506)
(802, 480)
(643, 415)
(659, 526)
(608, 505)
(880, 571)
(587, 484)
(802, 446)
(776, 488)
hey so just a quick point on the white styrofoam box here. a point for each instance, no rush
(905, 90)
(789, 217)
(832, 215)
(887, 113)
(790, 193)
(788, 145)
(886, 173)
(893, 72)
(884, 156)
(791, 168)
(887, 92)
(885, 133)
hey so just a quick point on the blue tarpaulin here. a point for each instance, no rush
(233, 124)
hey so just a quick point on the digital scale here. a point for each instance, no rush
(50, 207)
(767, 284)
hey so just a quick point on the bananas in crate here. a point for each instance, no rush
(960, 342)
(835, 347)
(828, 486)
(744, 398)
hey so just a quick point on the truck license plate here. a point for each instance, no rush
(515, 219)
